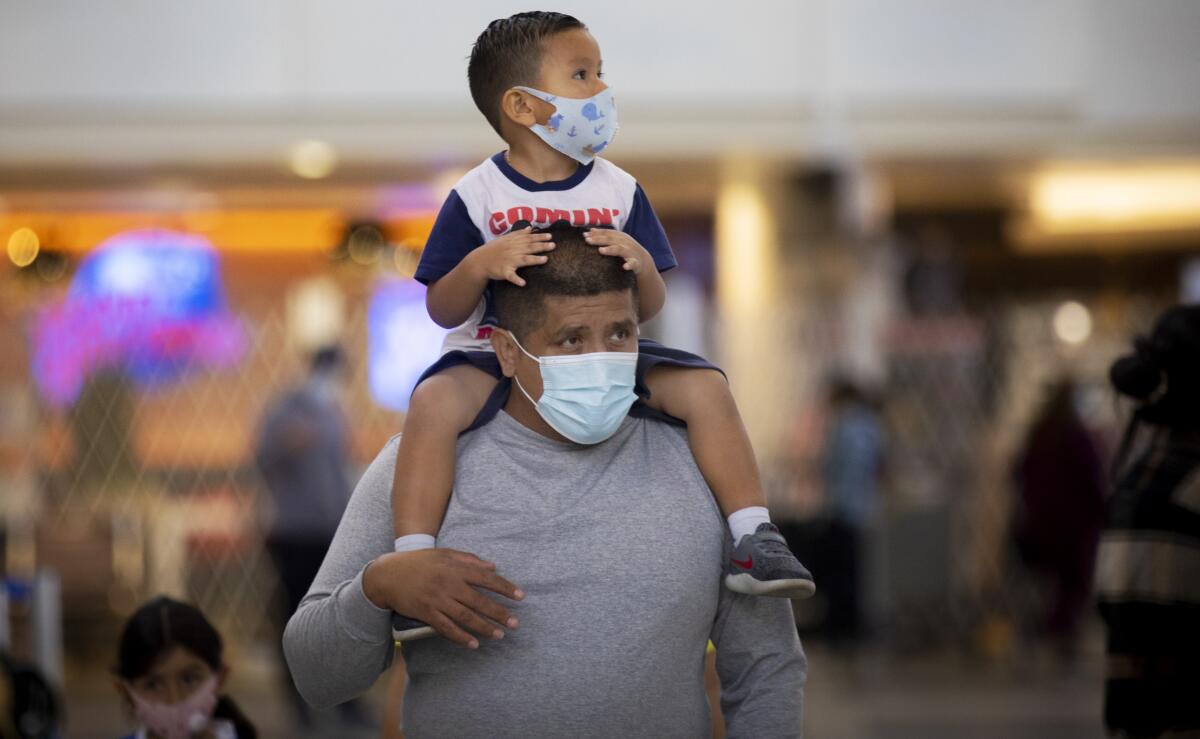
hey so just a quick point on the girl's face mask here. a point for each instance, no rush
(581, 129)
(179, 720)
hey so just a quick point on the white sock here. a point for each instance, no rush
(413, 542)
(744, 522)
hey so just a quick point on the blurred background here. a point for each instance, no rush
(911, 232)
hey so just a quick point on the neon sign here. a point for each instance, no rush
(147, 303)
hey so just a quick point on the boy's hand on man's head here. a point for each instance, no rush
(500, 258)
(619, 244)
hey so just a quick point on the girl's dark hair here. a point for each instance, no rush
(1163, 372)
(162, 624)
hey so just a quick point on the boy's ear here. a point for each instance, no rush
(506, 351)
(523, 109)
(515, 106)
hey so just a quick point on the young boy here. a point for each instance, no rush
(537, 79)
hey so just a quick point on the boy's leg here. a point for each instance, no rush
(761, 563)
(441, 408)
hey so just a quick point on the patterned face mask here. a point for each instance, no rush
(581, 129)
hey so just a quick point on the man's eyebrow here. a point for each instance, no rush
(626, 324)
(565, 331)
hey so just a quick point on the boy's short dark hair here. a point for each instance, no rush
(509, 53)
(574, 268)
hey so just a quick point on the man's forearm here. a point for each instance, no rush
(762, 667)
(337, 644)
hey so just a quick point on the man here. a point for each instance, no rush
(617, 546)
(301, 453)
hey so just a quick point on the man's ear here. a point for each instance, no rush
(506, 351)
(524, 109)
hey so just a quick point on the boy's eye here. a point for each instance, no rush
(581, 74)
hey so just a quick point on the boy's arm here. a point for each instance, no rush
(452, 298)
(652, 293)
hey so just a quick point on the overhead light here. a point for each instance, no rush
(23, 247)
(312, 159)
(1072, 323)
(1081, 199)
(316, 313)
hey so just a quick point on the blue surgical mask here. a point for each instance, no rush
(581, 129)
(584, 396)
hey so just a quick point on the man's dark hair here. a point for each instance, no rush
(574, 268)
(509, 53)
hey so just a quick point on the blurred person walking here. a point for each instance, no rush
(302, 455)
(170, 672)
(852, 464)
(1059, 512)
(1148, 575)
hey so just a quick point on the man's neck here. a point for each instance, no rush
(523, 412)
(530, 156)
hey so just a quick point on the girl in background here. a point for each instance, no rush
(170, 674)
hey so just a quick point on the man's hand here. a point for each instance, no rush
(500, 258)
(621, 245)
(438, 586)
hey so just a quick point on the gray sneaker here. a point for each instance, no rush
(408, 629)
(762, 564)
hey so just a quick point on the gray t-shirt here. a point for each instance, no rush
(619, 548)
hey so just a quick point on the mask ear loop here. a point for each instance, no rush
(516, 379)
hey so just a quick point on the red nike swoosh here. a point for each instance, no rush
(746, 564)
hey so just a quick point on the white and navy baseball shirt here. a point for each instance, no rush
(490, 199)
